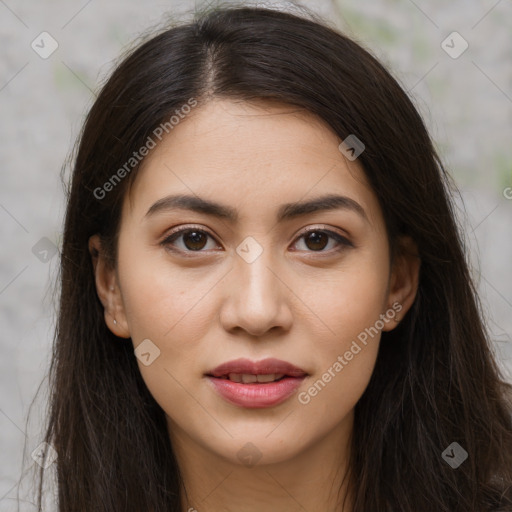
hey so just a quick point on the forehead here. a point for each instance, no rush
(259, 154)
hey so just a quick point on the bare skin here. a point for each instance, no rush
(303, 300)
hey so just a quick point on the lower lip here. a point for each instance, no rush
(256, 395)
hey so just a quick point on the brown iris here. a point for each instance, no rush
(316, 238)
(197, 240)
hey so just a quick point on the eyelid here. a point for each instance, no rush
(187, 227)
(325, 228)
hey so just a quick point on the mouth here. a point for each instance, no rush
(266, 368)
(256, 384)
(249, 378)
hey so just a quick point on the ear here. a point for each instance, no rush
(108, 289)
(403, 284)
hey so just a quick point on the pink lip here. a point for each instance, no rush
(256, 395)
(263, 367)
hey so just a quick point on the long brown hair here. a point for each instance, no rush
(435, 382)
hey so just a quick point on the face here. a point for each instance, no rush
(312, 288)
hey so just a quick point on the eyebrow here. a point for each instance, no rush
(286, 211)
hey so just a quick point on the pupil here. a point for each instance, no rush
(314, 236)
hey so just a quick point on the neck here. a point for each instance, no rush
(312, 479)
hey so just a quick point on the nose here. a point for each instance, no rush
(256, 298)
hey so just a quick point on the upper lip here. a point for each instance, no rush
(263, 367)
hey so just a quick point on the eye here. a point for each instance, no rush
(193, 239)
(317, 239)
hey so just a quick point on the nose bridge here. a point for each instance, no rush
(256, 299)
(258, 283)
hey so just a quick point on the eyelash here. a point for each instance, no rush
(341, 240)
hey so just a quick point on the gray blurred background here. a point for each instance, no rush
(461, 83)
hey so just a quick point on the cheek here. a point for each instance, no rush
(344, 364)
(159, 297)
(170, 307)
(349, 304)
(349, 299)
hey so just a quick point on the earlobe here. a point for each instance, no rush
(404, 281)
(108, 289)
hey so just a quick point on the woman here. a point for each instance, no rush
(265, 301)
